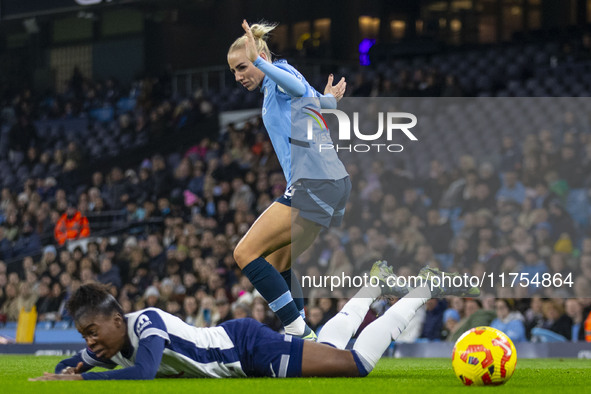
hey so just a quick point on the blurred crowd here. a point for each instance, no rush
(199, 201)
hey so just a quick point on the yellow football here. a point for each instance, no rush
(484, 356)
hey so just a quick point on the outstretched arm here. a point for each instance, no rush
(287, 81)
(147, 361)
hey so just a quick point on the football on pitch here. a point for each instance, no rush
(484, 356)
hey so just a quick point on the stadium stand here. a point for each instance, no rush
(168, 198)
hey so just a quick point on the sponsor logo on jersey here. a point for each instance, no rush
(142, 322)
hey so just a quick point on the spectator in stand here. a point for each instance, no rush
(11, 225)
(240, 310)
(3, 270)
(327, 306)
(561, 221)
(315, 318)
(337, 261)
(487, 174)
(10, 307)
(451, 318)
(481, 199)
(22, 135)
(152, 298)
(474, 316)
(543, 196)
(585, 266)
(160, 177)
(59, 296)
(511, 154)
(258, 312)
(225, 311)
(451, 87)
(109, 273)
(437, 232)
(587, 327)
(555, 319)
(434, 319)
(533, 266)
(207, 314)
(508, 320)
(116, 190)
(71, 226)
(574, 310)
(5, 246)
(47, 305)
(521, 241)
(28, 243)
(569, 167)
(190, 308)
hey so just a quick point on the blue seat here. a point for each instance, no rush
(10, 325)
(545, 336)
(126, 104)
(9, 333)
(61, 325)
(102, 115)
(69, 335)
(44, 325)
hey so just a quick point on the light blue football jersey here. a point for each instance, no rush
(300, 157)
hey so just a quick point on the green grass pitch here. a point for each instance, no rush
(390, 376)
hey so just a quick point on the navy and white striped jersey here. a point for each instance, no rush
(237, 348)
(189, 351)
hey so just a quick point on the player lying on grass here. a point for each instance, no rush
(151, 343)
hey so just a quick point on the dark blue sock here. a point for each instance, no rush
(296, 289)
(269, 282)
(364, 368)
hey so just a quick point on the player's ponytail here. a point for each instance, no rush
(92, 298)
(260, 32)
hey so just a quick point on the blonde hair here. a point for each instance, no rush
(260, 32)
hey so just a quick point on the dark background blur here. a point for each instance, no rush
(41, 41)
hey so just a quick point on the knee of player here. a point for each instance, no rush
(237, 255)
(241, 255)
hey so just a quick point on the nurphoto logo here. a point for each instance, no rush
(393, 127)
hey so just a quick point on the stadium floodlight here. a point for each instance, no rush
(31, 26)
(91, 2)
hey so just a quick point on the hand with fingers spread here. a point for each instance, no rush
(338, 90)
(54, 376)
(250, 44)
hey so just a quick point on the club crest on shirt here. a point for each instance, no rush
(142, 322)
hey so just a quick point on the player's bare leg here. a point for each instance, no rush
(323, 360)
(273, 231)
